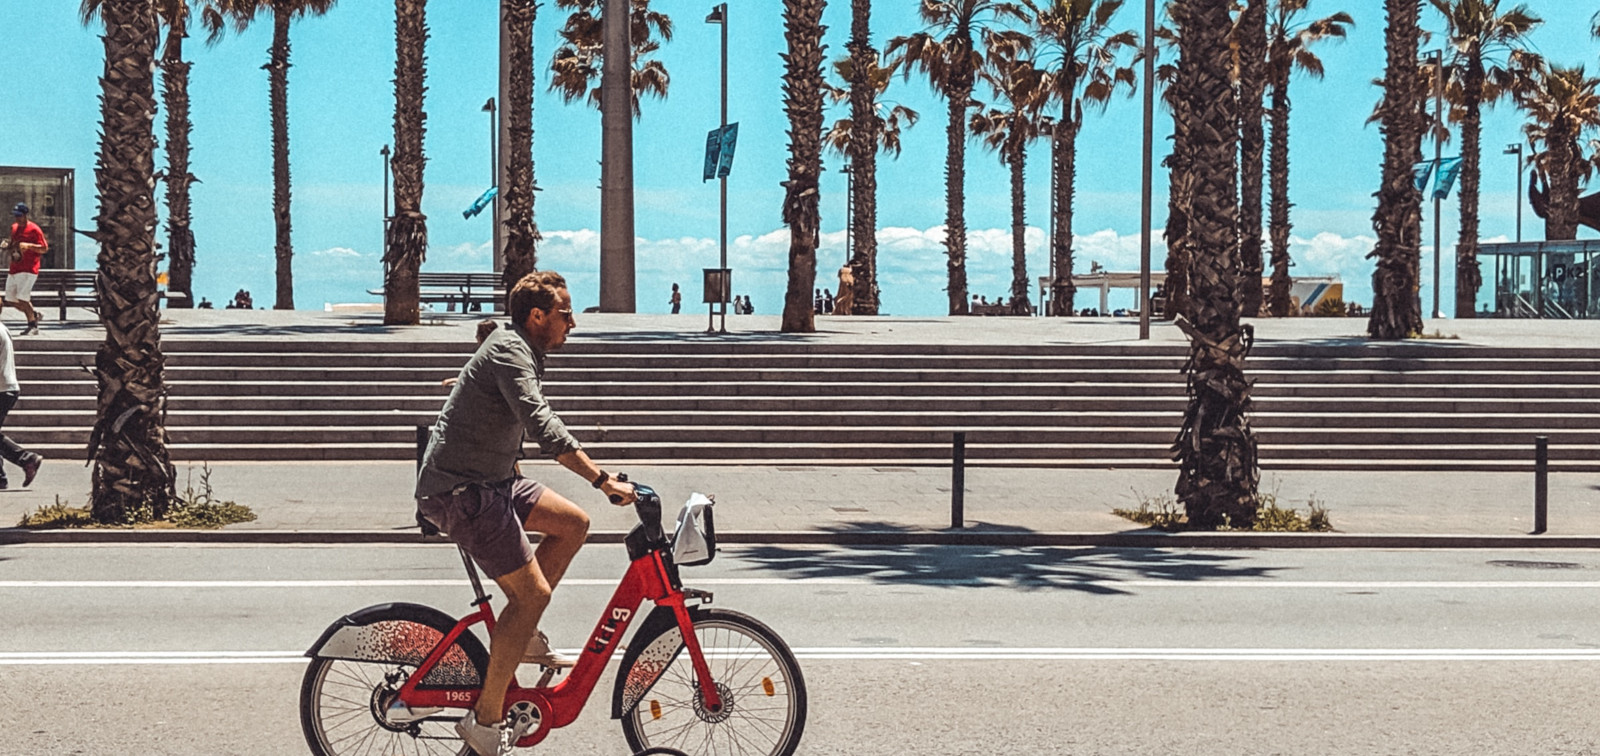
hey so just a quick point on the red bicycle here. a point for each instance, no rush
(394, 678)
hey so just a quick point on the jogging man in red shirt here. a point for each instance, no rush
(26, 247)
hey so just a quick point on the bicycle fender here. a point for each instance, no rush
(404, 633)
(643, 662)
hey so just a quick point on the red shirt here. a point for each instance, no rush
(29, 261)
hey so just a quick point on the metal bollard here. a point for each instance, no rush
(958, 480)
(1541, 484)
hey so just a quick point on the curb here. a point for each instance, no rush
(1004, 539)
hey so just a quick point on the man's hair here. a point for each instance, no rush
(537, 289)
(486, 327)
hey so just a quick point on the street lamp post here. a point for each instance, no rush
(719, 16)
(494, 175)
(1148, 167)
(385, 153)
(1516, 149)
(1510, 270)
(1438, 155)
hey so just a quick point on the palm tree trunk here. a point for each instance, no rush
(802, 94)
(408, 234)
(1566, 165)
(175, 96)
(522, 233)
(1179, 189)
(1468, 276)
(955, 170)
(1017, 161)
(278, 96)
(1252, 82)
(1396, 298)
(133, 476)
(1279, 302)
(1215, 448)
(863, 160)
(1063, 163)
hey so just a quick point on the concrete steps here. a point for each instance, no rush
(1333, 406)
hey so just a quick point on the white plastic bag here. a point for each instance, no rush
(695, 541)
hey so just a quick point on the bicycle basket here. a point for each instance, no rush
(695, 541)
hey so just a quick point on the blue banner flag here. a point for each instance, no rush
(730, 139)
(1421, 171)
(481, 202)
(713, 154)
(1449, 168)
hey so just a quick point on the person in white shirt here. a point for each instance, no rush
(9, 391)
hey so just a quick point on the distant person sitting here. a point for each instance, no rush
(205, 304)
(241, 301)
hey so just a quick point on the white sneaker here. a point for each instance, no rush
(485, 740)
(540, 653)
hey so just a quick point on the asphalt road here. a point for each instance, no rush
(195, 650)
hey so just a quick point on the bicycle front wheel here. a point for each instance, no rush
(763, 695)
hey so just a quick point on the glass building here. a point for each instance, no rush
(1552, 279)
(48, 192)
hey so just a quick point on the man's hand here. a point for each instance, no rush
(619, 492)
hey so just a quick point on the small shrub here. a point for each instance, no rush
(202, 509)
(1331, 307)
(1160, 512)
(57, 515)
(192, 509)
(1163, 513)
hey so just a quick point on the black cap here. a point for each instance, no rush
(20, 209)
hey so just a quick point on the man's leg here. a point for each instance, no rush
(565, 527)
(527, 595)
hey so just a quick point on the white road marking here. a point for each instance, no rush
(57, 658)
(1061, 581)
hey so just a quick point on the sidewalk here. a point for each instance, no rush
(375, 496)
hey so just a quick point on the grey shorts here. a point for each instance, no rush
(486, 519)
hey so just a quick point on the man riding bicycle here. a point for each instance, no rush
(470, 488)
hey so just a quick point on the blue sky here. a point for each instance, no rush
(341, 109)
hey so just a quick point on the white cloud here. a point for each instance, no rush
(911, 263)
(338, 252)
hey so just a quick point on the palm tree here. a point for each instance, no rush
(1396, 280)
(1479, 31)
(1215, 448)
(175, 97)
(863, 153)
(945, 52)
(1563, 107)
(407, 241)
(243, 12)
(175, 15)
(802, 100)
(575, 68)
(1177, 162)
(887, 122)
(1289, 50)
(133, 476)
(1080, 55)
(1009, 131)
(1251, 59)
(522, 233)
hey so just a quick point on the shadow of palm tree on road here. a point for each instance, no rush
(1088, 569)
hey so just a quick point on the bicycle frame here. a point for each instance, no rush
(648, 577)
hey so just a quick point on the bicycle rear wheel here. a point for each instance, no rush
(343, 712)
(763, 693)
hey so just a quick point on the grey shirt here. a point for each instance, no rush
(497, 397)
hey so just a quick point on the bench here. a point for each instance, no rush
(63, 288)
(470, 290)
